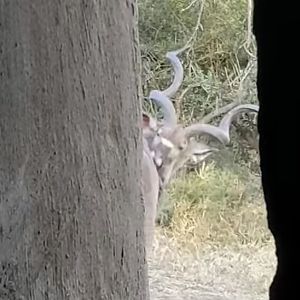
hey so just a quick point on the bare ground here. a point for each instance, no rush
(214, 273)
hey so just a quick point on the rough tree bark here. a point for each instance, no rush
(71, 215)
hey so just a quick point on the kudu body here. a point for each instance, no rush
(150, 189)
(150, 180)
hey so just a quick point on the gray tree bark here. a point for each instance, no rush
(71, 213)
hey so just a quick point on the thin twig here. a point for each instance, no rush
(248, 52)
(249, 25)
(189, 6)
(179, 100)
(191, 40)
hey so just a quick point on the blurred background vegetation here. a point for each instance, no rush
(221, 200)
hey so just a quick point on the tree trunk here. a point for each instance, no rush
(71, 213)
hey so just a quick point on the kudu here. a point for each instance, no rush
(169, 145)
(172, 145)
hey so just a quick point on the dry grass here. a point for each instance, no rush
(216, 207)
(216, 244)
(210, 274)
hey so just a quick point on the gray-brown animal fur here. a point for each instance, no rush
(150, 187)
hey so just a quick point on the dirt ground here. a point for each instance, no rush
(212, 273)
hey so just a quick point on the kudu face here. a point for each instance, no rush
(172, 149)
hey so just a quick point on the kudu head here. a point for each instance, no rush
(175, 144)
(172, 144)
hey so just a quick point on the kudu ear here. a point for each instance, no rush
(146, 120)
(200, 151)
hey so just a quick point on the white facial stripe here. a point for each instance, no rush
(167, 143)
